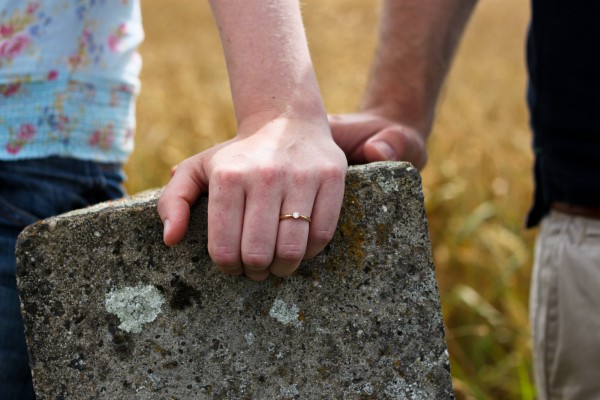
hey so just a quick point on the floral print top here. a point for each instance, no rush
(68, 78)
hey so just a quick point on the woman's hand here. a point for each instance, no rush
(282, 161)
(273, 167)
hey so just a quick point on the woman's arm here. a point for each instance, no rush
(282, 160)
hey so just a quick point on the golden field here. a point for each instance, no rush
(477, 184)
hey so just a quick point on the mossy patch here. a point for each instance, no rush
(353, 244)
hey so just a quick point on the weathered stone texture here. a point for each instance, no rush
(110, 312)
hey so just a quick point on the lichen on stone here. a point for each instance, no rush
(388, 185)
(135, 306)
(353, 245)
(284, 313)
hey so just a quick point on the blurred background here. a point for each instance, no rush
(477, 184)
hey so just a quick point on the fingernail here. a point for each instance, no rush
(386, 149)
(166, 225)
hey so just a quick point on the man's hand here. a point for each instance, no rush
(366, 137)
(272, 167)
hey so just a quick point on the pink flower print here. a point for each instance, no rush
(12, 47)
(62, 123)
(13, 148)
(95, 138)
(10, 89)
(52, 75)
(113, 43)
(25, 135)
(32, 7)
(102, 137)
(114, 39)
(6, 30)
(26, 132)
(126, 89)
(117, 91)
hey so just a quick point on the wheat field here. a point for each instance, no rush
(477, 184)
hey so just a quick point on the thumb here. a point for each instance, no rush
(396, 143)
(189, 181)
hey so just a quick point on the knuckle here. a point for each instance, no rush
(257, 259)
(268, 175)
(333, 173)
(185, 165)
(228, 177)
(322, 237)
(291, 252)
(302, 178)
(225, 256)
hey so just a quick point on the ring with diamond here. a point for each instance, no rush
(294, 215)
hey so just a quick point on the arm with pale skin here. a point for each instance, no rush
(417, 39)
(283, 158)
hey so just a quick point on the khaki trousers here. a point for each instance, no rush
(565, 308)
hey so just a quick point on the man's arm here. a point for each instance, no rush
(282, 160)
(417, 39)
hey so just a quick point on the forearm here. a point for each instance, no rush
(282, 160)
(267, 56)
(417, 40)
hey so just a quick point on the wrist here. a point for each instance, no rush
(289, 100)
(285, 123)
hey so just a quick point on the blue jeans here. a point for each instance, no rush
(31, 190)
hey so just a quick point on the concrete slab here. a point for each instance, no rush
(110, 312)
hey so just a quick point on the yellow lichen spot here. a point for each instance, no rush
(382, 234)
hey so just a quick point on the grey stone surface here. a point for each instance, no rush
(110, 312)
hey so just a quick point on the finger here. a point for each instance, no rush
(325, 212)
(350, 131)
(184, 188)
(225, 220)
(261, 221)
(397, 143)
(292, 235)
